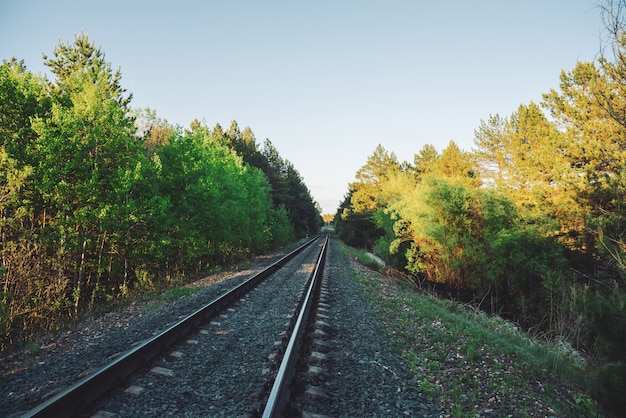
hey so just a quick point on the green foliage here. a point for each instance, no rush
(355, 221)
(83, 57)
(22, 97)
(99, 204)
(586, 405)
(383, 245)
(605, 309)
(84, 153)
(279, 229)
(289, 191)
(531, 224)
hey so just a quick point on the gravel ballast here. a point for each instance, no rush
(29, 378)
(361, 375)
(221, 369)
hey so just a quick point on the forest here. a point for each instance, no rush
(101, 203)
(530, 224)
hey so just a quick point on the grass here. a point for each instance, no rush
(471, 364)
(171, 294)
(368, 259)
(179, 292)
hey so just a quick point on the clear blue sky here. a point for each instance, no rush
(325, 81)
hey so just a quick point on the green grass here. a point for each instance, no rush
(169, 295)
(33, 348)
(472, 364)
(178, 292)
(368, 259)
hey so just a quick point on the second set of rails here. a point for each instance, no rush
(81, 397)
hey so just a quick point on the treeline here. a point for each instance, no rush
(99, 201)
(530, 224)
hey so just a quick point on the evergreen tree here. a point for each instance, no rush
(493, 149)
(83, 56)
(425, 160)
(455, 163)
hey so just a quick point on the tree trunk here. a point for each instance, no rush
(81, 278)
(99, 271)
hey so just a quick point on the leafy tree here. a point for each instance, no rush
(435, 218)
(88, 144)
(379, 166)
(357, 220)
(524, 157)
(469, 238)
(594, 147)
(97, 202)
(22, 97)
(350, 227)
(220, 207)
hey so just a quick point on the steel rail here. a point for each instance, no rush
(281, 389)
(76, 397)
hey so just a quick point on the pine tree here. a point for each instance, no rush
(83, 56)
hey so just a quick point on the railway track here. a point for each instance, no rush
(228, 364)
(298, 275)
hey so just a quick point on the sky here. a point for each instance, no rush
(325, 81)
